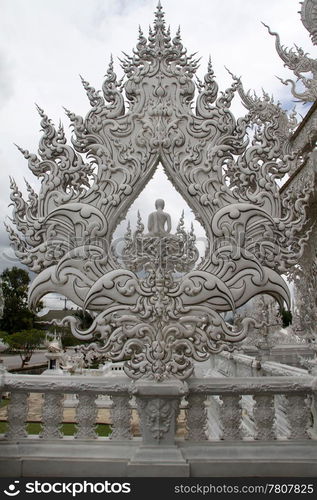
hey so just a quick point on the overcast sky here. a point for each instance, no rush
(45, 45)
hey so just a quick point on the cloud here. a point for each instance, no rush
(6, 81)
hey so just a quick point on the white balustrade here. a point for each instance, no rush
(217, 407)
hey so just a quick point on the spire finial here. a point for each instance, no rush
(40, 110)
(159, 17)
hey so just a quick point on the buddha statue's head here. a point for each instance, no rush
(160, 204)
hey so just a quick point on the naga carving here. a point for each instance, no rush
(160, 318)
(297, 60)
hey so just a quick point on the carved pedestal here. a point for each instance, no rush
(158, 407)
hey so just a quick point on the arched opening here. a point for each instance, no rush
(159, 186)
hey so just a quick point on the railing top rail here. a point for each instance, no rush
(74, 384)
(281, 369)
(119, 385)
(253, 385)
(273, 367)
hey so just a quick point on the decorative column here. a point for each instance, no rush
(158, 406)
(304, 310)
(264, 417)
(196, 421)
(313, 400)
(86, 415)
(298, 416)
(52, 415)
(121, 415)
(17, 415)
(231, 415)
(3, 346)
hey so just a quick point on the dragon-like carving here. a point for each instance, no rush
(227, 169)
(299, 62)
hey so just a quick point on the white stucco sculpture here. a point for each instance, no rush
(298, 61)
(159, 222)
(147, 315)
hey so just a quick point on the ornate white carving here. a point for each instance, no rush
(158, 416)
(300, 63)
(73, 360)
(86, 413)
(158, 322)
(263, 414)
(121, 418)
(231, 417)
(52, 415)
(281, 424)
(298, 416)
(309, 18)
(17, 415)
(292, 419)
(159, 249)
(196, 413)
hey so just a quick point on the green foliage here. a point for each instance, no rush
(85, 318)
(65, 334)
(286, 317)
(68, 339)
(24, 343)
(16, 315)
(67, 429)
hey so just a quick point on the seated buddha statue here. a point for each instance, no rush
(159, 222)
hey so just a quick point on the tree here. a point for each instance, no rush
(16, 314)
(86, 321)
(24, 343)
(85, 318)
(286, 317)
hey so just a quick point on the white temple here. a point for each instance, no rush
(182, 329)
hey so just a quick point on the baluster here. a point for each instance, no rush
(231, 416)
(313, 407)
(86, 414)
(196, 421)
(282, 424)
(247, 422)
(17, 415)
(298, 416)
(214, 424)
(264, 416)
(52, 415)
(121, 418)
